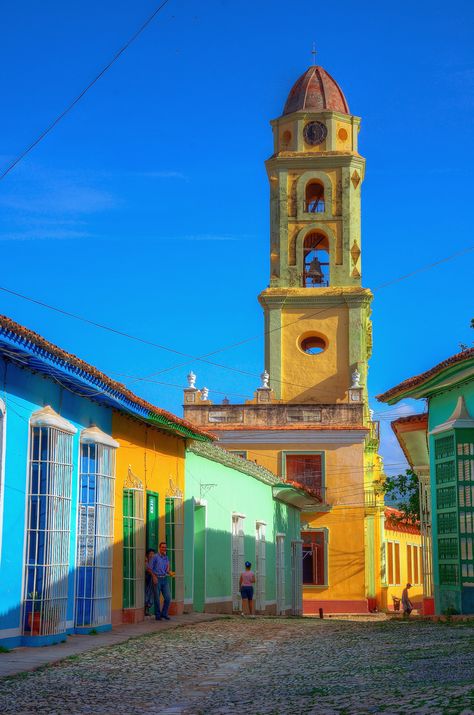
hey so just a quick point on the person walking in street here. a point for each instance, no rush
(406, 603)
(159, 568)
(246, 582)
(149, 590)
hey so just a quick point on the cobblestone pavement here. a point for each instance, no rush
(267, 666)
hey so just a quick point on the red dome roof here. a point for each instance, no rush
(316, 91)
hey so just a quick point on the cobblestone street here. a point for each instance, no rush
(263, 666)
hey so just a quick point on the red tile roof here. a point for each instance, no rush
(394, 521)
(72, 360)
(418, 380)
(316, 91)
(221, 427)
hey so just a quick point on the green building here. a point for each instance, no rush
(237, 511)
(449, 390)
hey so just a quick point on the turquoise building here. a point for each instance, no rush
(237, 511)
(449, 436)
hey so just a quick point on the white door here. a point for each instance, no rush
(297, 578)
(237, 558)
(260, 567)
(280, 574)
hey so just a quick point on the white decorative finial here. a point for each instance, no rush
(204, 393)
(192, 380)
(355, 378)
(371, 413)
(265, 377)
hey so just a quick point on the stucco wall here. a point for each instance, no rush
(233, 492)
(24, 393)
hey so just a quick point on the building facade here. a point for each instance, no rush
(76, 502)
(309, 421)
(449, 389)
(237, 511)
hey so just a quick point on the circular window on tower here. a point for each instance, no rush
(342, 134)
(312, 343)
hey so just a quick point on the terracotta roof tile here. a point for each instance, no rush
(7, 324)
(393, 523)
(417, 380)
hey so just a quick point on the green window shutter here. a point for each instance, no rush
(152, 520)
(128, 549)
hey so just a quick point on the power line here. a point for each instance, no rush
(150, 343)
(84, 91)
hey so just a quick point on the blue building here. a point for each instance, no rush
(57, 475)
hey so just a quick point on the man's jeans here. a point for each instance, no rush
(162, 586)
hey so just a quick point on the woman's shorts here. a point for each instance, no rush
(247, 592)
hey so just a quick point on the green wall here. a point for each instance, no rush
(459, 593)
(226, 491)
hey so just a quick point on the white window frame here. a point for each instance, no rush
(237, 557)
(95, 532)
(280, 573)
(136, 488)
(45, 594)
(260, 565)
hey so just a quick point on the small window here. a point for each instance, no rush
(237, 453)
(314, 557)
(314, 198)
(305, 469)
(313, 344)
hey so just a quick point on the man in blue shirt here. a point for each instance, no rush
(159, 567)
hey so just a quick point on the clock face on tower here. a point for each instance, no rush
(315, 133)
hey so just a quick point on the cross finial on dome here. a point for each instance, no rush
(313, 52)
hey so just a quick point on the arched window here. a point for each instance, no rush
(314, 197)
(95, 528)
(48, 524)
(315, 260)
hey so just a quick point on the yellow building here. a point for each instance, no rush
(310, 421)
(149, 491)
(403, 561)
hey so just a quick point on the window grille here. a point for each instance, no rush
(444, 447)
(447, 523)
(237, 557)
(260, 566)
(133, 548)
(95, 535)
(446, 497)
(280, 573)
(306, 469)
(465, 471)
(448, 574)
(48, 531)
(445, 472)
(174, 542)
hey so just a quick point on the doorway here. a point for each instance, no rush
(199, 570)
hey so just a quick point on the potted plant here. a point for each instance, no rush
(34, 616)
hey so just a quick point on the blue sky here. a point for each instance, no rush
(147, 207)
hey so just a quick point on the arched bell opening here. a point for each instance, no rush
(314, 197)
(315, 260)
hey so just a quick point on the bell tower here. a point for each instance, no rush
(317, 327)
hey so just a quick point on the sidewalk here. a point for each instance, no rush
(22, 659)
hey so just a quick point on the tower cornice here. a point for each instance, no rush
(303, 297)
(292, 161)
